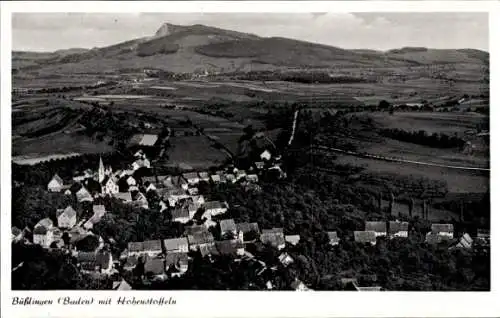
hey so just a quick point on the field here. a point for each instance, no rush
(462, 125)
(432, 122)
(194, 152)
(59, 143)
(458, 181)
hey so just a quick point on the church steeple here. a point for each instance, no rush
(101, 173)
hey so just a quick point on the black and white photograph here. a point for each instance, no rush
(239, 151)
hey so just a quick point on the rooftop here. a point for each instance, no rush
(175, 243)
(376, 226)
(247, 227)
(210, 205)
(153, 245)
(396, 226)
(181, 212)
(365, 236)
(436, 228)
(69, 211)
(227, 225)
(200, 238)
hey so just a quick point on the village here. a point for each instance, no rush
(179, 197)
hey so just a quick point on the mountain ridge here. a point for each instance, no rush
(183, 48)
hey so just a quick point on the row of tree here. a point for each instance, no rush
(421, 137)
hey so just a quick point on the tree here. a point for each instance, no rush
(88, 244)
(383, 104)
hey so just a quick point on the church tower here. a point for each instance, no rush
(101, 173)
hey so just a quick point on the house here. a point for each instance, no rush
(274, 237)
(131, 262)
(17, 234)
(214, 208)
(252, 178)
(139, 154)
(191, 177)
(209, 223)
(101, 262)
(155, 267)
(365, 237)
(83, 195)
(189, 230)
(110, 185)
(465, 242)
(96, 218)
(175, 195)
(203, 175)
(241, 174)
(42, 233)
(176, 264)
(149, 179)
(398, 229)
(67, 192)
(298, 285)
(285, 259)
(246, 229)
(230, 247)
(175, 182)
(433, 238)
(229, 178)
(215, 178)
(163, 206)
(193, 191)
(176, 245)
(121, 285)
(333, 238)
(123, 173)
(483, 234)
(66, 218)
(99, 209)
(125, 197)
(443, 230)
(482, 238)
(259, 165)
(265, 155)
(141, 200)
(141, 163)
(151, 248)
(197, 240)
(228, 226)
(269, 285)
(292, 239)
(180, 214)
(55, 184)
(149, 186)
(380, 228)
(76, 234)
(198, 199)
(131, 181)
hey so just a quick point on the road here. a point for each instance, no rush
(393, 159)
(294, 124)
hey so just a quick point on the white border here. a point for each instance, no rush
(250, 304)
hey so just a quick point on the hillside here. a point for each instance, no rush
(188, 48)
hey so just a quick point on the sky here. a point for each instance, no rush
(374, 30)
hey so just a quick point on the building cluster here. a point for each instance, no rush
(439, 233)
(179, 197)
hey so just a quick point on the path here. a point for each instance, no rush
(294, 124)
(393, 159)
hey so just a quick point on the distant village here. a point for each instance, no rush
(179, 196)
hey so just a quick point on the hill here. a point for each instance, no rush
(189, 48)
